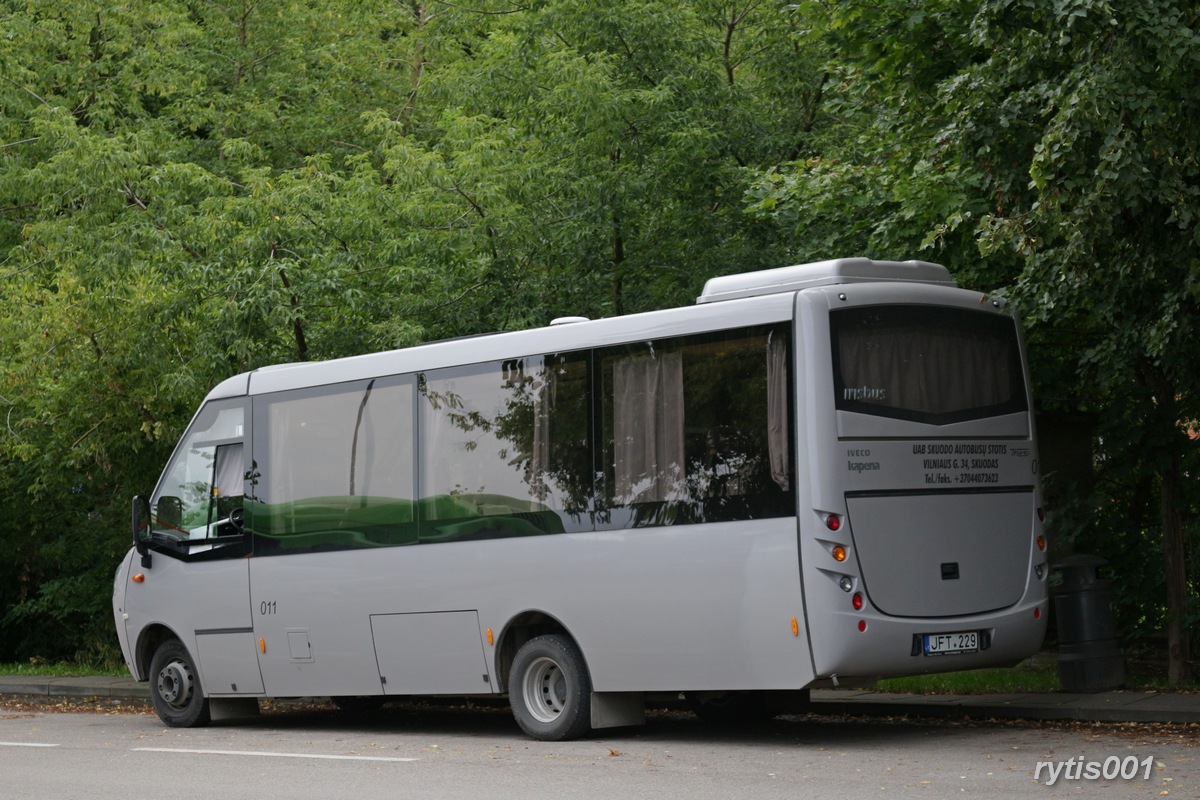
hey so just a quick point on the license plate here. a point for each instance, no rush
(939, 644)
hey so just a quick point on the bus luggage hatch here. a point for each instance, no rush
(436, 653)
(942, 555)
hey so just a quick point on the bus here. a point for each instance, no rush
(817, 474)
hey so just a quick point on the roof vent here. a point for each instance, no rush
(822, 273)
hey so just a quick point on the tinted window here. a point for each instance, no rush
(697, 429)
(929, 364)
(334, 468)
(505, 449)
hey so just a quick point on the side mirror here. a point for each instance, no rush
(141, 528)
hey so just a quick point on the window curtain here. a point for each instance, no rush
(443, 450)
(230, 471)
(930, 371)
(778, 375)
(279, 484)
(648, 443)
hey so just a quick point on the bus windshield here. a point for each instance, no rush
(203, 485)
(935, 365)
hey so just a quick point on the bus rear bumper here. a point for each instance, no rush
(876, 646)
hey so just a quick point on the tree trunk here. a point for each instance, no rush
(1178, 646)
(297, 321)
(1166, 421)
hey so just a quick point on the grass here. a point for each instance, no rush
(1037, 674)
(1020, 679)
(62, 669)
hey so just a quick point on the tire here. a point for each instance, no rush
(175, 687)
(550, 689)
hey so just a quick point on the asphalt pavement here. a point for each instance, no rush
(1104, 706)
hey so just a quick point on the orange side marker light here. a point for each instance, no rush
(139, 577)
(262, 645)
(795, 627)
(489, 637)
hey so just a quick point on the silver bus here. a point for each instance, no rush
(815, 474)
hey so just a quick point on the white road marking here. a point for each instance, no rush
(266, 754)
(25, 744)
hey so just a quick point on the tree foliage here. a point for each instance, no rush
(1047, 150)
(192, 189)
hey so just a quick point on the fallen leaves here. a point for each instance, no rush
(31, 705)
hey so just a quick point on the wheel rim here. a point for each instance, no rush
(545, 690)
(176, 684)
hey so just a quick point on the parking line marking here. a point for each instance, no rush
(25, 744)
(265, 754)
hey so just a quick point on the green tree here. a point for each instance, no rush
(150, 151)
(190, 190)
(1049, 150)
(588, 157)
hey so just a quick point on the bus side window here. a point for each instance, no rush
(506, 449)
(334, 468)
(202, 485)
(697, 429)
(225, 510)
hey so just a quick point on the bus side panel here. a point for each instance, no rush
(438, 653)
(120, 584)
(706, 607)
(199, 599)
(699, 607)
(312, 615)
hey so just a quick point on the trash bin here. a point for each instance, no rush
(1088, 657)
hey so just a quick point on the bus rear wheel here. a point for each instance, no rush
(175, 687)
(550, 689)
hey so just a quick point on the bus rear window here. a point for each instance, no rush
(927, 364)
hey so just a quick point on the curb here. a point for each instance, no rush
(74, 687)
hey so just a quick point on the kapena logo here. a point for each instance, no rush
(862, 466)
(863, 393)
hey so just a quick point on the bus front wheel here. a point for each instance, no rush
(550, 689)
(175, 687)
